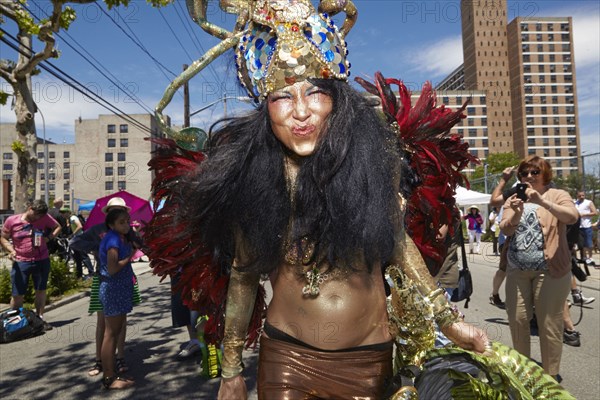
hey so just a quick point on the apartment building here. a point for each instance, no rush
(526, 71)
(109, 154)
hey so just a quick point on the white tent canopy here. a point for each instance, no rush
(465, 197)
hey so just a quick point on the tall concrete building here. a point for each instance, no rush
(526, 71)
(109, 154)
(544, 94)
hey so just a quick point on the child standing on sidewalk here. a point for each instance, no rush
(116, 291)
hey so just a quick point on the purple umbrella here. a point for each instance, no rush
(140, 209)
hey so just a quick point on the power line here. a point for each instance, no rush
(176, 37)
(118, 85)
(137, 42)
(96, 98)
(201, 51)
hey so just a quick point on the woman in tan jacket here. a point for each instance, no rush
(539, 261)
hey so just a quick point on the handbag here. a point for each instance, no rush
(465, 282)
(465, 287)
(577, 271)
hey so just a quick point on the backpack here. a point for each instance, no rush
(17, 324)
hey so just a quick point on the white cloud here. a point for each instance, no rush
(586, 39)
(61, 105)
(439, 58)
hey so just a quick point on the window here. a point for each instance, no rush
(40, 165)
(52, 176)
(66, 186)
(124, 142)
(52, 154)
(42, 176)
(51, 186)
(43, 186)
(7, 177)
(530, 142)
(40, 155)
(123, 128)
(67, 175)
(121, 157)
(7, 167)
(108, 171)
(67, 197)
(122, 185)
(66, 154)
(108, 185)
(7, 156)
(66, 165)
(108, 157)
(112, 142)
(111, 128)
(121, 171)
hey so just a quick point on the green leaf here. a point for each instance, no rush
(3, 97)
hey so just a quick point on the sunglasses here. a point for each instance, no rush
(533, 172)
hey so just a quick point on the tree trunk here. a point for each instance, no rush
(26, 141)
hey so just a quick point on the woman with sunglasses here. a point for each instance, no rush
(539, 261)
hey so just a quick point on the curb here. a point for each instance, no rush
(74, 297)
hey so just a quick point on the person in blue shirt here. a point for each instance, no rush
(116, 291)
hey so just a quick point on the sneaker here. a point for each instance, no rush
(188, 351)
(589, 261)
(495, 301)
(571, 338)
(47, 327)
(579, 298)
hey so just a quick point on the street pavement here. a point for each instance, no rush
(54, 365)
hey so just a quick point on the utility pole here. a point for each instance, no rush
(186, 102)
(485, 175)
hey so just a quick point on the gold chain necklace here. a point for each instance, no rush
(301, 256)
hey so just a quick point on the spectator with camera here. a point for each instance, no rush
(539, 260)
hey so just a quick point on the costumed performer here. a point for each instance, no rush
(305, 190)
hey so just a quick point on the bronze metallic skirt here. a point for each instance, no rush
(288, 371)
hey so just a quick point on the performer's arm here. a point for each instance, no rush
(415, 269)
(241, 296)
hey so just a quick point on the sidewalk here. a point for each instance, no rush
(138, 268)
(54, 365)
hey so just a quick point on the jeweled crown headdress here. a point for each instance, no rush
(277, 43)
(287, 42)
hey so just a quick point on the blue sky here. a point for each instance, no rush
(412, 40)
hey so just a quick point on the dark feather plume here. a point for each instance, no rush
(434, 155)
(172, 250)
